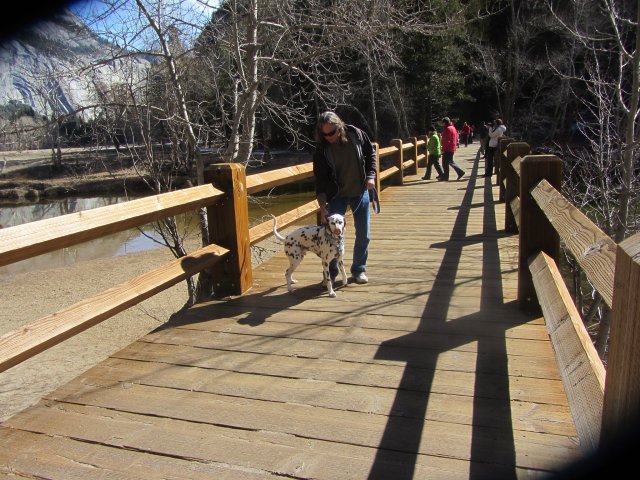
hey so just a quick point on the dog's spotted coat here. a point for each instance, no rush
(326, 241)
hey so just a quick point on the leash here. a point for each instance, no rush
(374, 201)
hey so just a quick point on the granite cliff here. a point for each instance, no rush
(50, 66)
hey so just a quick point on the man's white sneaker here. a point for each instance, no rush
(361, 278)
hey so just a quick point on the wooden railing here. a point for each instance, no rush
(228, 256)
(529, 184)
(602, 404)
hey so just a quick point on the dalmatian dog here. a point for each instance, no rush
(326, 241)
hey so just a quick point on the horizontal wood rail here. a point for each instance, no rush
(601, 403)
(36, 337)
(35, 238)
(591, 247)
(581, 369)
(265, 229)
(227, 257)
(387, 151)
(259, 182)
(389, 172)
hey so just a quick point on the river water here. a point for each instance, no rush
(128, 241)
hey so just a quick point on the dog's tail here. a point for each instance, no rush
(275, 231)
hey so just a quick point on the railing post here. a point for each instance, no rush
(414, 152)
(399, 161)
(621, 407)
(536, 233)
(514, 150)
(229, 228)
(499, 162)
(425, 139)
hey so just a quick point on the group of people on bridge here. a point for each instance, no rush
(344, 168)
(445, 144)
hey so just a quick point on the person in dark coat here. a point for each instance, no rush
(344, 169)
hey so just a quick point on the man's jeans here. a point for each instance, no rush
(360, 208)
(447, 161)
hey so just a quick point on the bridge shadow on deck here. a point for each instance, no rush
(492, 447)
(491, 456)
(375, 396)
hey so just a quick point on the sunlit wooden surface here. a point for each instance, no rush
(428, 371)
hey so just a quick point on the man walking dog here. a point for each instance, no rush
(344, 168)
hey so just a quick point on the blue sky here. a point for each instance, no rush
(83, 8)
(123, 26)
(196, 12)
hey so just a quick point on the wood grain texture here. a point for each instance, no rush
(428, 371)
(229, 227)
(582, 371)
(33, 338)
(591, 247)
(265, 229)
(515, 209)
(622, 394)
(35, 238)
(516, 165)
(536, 232)
(515, 152)
(259, 182)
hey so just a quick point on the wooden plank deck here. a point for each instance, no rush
(428, 371)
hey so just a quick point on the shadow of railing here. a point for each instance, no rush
(492, 451)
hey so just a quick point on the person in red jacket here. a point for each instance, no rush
(449, 146)
(466, 133)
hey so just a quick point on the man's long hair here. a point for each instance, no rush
(330, 118)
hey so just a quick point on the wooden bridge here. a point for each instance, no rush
(429, 371)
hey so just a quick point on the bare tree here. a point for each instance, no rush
(255, 60)
(512, 60)
(294, 46)
(601, 177)
(158, 129)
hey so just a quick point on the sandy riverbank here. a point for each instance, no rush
(29, 296)
(32, 295)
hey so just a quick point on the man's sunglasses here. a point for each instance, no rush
(331, 133)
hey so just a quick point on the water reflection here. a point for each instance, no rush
(128, 241)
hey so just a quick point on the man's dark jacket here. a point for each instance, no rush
(324, 169)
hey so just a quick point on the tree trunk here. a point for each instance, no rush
(372, 97)
(191, 141)
(241, 142)
(602, 338)
(631, 114)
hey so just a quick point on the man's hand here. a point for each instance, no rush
(324, 213)
(370, 184)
